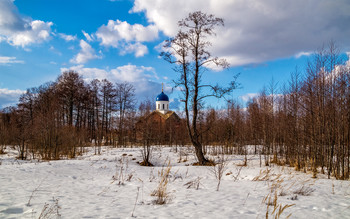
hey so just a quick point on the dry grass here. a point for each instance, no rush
(181, 155)
(122, 174)
(304, 190)
(237, 173)
(161, 192)
(50, 210)
(271, 200)
(218, 170)
(277, 161)
(274, 209)
(145, 164)
(194, 183)
(176, 175)
(151, 175)
(137, 196)
(297, 165)
(267, 175)
(34, 191)
(263, 175)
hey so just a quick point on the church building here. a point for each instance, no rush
(161, 124)
(162, 103)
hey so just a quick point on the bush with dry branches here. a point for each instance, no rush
(218, 170)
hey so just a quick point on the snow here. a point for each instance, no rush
(92, 186)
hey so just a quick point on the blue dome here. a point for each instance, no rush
(162, 97)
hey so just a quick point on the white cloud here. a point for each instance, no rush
(5, 60)
(9, 97)
(87, 36)
(249, 96)
(127, 37)
(339, 70)
(137, 48)
(116, 31)
(37, 32)
(256, 31)
(20, 31)
(67, 37)
(86, 53)
(143, 78)
(300, 54)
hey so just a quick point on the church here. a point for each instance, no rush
(161, 125)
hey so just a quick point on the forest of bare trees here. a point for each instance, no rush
(304, 123)
(58, 118)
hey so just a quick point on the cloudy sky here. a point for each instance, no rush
(121, 40)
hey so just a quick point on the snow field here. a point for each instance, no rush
(106, 186)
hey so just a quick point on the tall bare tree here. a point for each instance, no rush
(189, 51)
(125, 100)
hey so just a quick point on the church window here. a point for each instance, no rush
(163, 106)
(158, 106)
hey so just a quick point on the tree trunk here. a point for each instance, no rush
(199, 153)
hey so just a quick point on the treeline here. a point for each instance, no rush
(58, 118)
(304, 123)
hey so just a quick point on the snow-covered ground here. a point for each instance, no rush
(109, 185)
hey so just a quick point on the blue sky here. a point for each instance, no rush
(120, 40)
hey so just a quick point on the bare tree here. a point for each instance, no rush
(188, 50)
(107, 93)
(125, 100)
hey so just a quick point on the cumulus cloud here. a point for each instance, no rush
(116, 31)
(143, 78)
(256, 31)
(6, 60)
(137, 48)
(127, 37)
(67, 37)
(9, 97)
(86, 53)
(21, 31)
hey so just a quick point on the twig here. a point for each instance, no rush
(137, 196)
(35, 190)
(238, 173)
(246, 198)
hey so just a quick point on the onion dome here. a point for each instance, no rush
(162, 97)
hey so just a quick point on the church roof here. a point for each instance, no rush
(162, 97)
(165, 116)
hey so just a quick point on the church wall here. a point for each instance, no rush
(162, 106)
